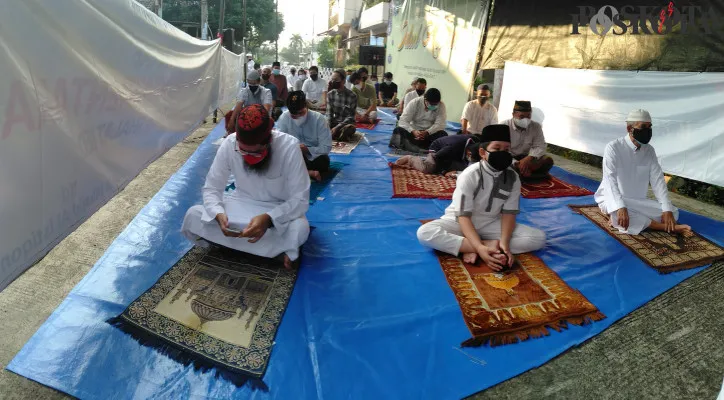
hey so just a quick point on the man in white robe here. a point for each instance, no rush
(265, 215)
(480, 221)
(629, 165)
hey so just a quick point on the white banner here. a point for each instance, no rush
(91, 92)
(585, 109)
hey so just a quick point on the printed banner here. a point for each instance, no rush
(437, 40)
(97, 91)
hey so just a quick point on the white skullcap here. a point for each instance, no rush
(248, 55)
(638, 116)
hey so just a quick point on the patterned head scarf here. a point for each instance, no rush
(254, 126)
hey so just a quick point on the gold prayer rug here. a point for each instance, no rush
(516, 304)
(346, 147)
(216, 308)
(663, 251)
(411, 183)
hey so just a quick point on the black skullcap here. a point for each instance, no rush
(433, 95)
(522, 105)
(495, 133)
(296, 101)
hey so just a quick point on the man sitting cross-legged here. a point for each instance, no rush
(265, 216)
(423, 121)
(341, 106)
(629, 165)
(448, 155)
(528, 144)
(481, 219)
(312, 131)
(253, 93)
(366, 97)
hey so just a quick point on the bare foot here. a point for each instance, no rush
(315, 175)
(287, 262)
(493, 244)
(402, 161)
(682, 228)
(470, 258)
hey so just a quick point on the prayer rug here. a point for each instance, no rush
(662, 251)
(316, 188)
(399, 153)
(408, 182)
(216, 308)
(516, 304)
(552, 187)
(346, 147)
(369, 126)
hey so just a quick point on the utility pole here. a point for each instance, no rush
(276, 23)
(222, 9)
(204, 19)
(243, 40)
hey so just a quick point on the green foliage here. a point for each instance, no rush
(261, 26)
(581, 157)
(297, 46)
(327, 52)
(352, 58)
(372, 3)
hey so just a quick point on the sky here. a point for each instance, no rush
(298, 15)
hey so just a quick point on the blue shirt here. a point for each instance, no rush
(313, 133)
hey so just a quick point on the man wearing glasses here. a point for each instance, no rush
(265, 215)
(312, 131)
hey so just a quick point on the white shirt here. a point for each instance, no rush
(483, 194)
(314, 89)
(479, 116)
(627, 173)
(250, 66)
(285, 184)
(314, 132)
(291, 80)
(412, 95)
(262, 96)
(416, 117)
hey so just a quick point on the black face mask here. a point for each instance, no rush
(314, 76)
(482, 99)
(266, 77)
(420, 92)
(253, 88)
(500, 160)
(642, 135)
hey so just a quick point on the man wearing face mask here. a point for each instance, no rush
(280, 81)
(341, 108)
(266, 75)
(528, 144)
(480, 222)
(423, 121)
(265, 215)
(366, 97)
(629, 165)
(448, 155)
(301, 78)
(420, 87)
(253, 93)
(316, 90)
(387, 96)
(479, 113)
(312, 131)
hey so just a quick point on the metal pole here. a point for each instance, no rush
(276, 19)
(222, 9)
(243, 39)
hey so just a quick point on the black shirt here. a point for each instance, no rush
(388, 90)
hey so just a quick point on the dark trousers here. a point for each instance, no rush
(320, 163)
(404, 140)
(539, 169)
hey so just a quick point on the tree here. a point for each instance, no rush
(260, 27)
(326, 50)
(291, 53)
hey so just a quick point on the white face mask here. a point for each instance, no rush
(302, 77)
(299, 121)
(522, 123)
(360, 86)
(387, 81)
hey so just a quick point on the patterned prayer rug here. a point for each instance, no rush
(408, 182)
(552, 187)
(516, 304)
(663, 251)
(370, 126)
(399, 153)
(316, 188)
(216, 308)
(346, 147)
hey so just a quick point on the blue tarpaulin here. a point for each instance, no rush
(371, 315)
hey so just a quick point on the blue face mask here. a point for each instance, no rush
(432, 107)
(276, 71)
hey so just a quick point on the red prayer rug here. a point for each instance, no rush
(408, 182)
(370, 126)
(662, 251)
(516, 304)
(552, 187)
